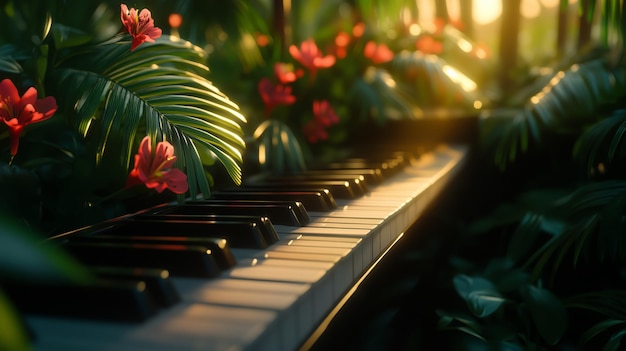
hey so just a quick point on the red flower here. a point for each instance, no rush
(274, 95)
(358, 30)
(155, 171)
(19, 112)
(175, 20)
(285, 72)
(139, 26)
(440, 25)
(314, 132)
(311, 57)
(429, 45)
(323, 117)
(377, 53)
(262, 40)
(324, 113)
(342, 40)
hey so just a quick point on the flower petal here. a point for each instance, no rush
(176, 181)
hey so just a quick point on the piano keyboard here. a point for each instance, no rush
(270, 292)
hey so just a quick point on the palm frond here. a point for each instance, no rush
(278, 148)
(9, 60)
(377, 95)
(568, 102)
(433, 82)
(602, 145)
(113, 90)
(592, 214)
(608, 303)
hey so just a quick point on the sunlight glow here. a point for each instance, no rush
(426, 13)
(415, 29)
(456, 76)
(549, 3)
(465, 45)
(530, 8)
(486, 11)
(406, 16)
(262, 153)
(454, 9)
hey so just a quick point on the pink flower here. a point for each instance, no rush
(139, 26)
(378, 53)
(286, 73)
(324, 113)
(311, 57)
(429, 45)
(17, 112)
(274, 95)
(155, 170)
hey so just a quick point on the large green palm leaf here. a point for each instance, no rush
(591, 231)
(113, 90)
(567, 103)
(602, 146)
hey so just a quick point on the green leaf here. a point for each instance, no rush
(65, 36)
(9, 65)
(278, 148)
(13, 335)
(161, 84)
(615, 342)
(25, 257)
(566, 102)
(608, 303)
(547, 312)
(525, 236)
(447, 318)
(601, 327)
(480, 294)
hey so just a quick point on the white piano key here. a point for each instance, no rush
(284, 298)
(186, 326)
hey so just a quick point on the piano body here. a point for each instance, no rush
(269, 293)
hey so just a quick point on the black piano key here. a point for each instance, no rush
(234, 227)
(357, 182)
(337, 188)
(218, 246)
(290, 213)
(387, 167)
(312, 200)
(179, 260)
(370, 175)
(157, 281)
(105, 299)
(240, 234)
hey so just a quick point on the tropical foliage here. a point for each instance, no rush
(82, 84)
(110, 94)
(380, 72)
(295, 90)
(552, 277)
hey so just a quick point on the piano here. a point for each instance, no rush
(268, 289)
